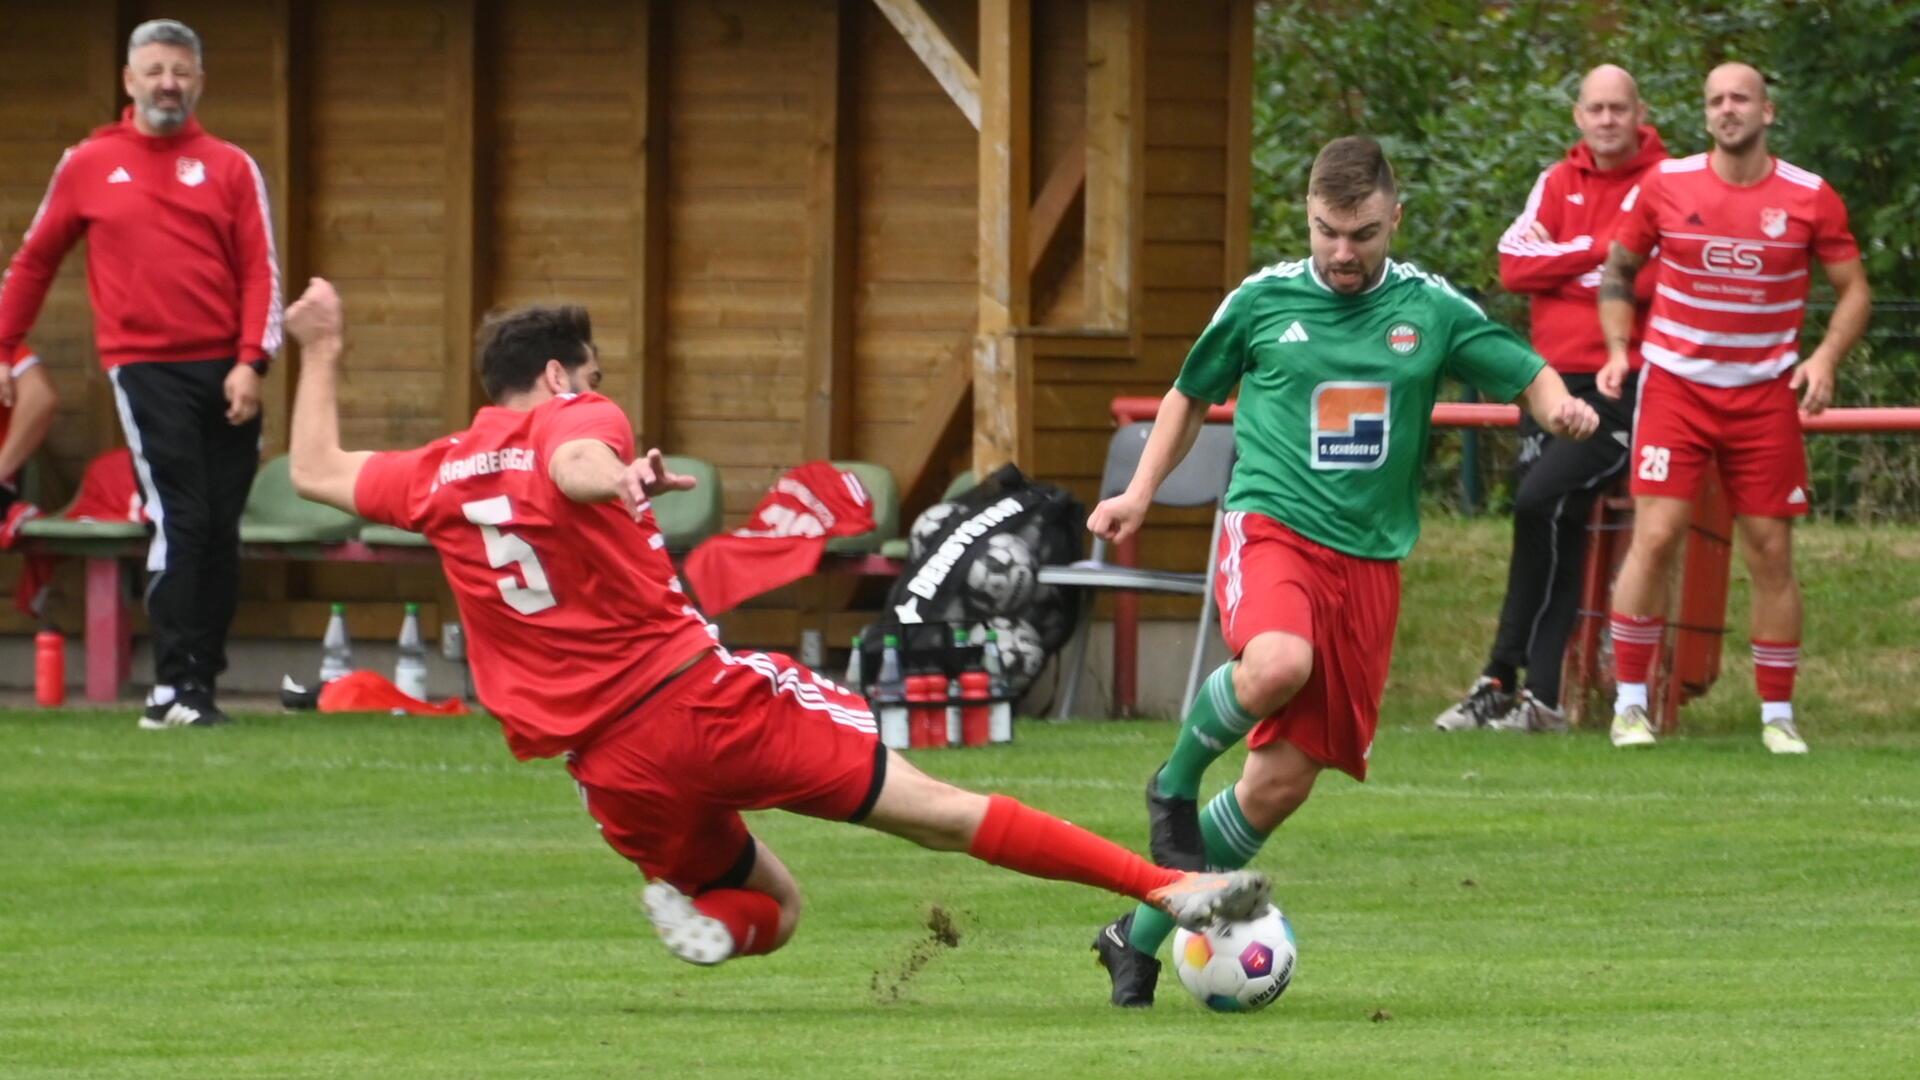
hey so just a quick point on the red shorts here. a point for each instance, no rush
(1681, 427)
(739, 731)
(1272, 578)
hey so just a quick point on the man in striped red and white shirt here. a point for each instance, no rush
(186, 315)
(1726, 379)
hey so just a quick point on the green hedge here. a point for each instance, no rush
(1473, 99)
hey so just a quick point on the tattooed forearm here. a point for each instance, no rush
(1616, 278)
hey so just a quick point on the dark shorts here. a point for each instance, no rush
(736, 731)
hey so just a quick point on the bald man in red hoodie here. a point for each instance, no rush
(1553, 252)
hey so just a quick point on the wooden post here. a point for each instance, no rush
(649, 336)
(1239, 205)
(1002, 362)
(937, 51)
(1116, 152)
(287, 187)
(465, 252)
(827, 425)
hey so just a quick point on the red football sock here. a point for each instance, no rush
(751, 918)
(1027, 841)
(1774, 665)
(1635, 638)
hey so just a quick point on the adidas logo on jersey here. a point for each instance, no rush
(1694, 219)
(1293, 333)
(1798, 497)
(1577, 198)
(120, 175)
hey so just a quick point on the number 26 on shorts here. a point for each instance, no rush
(1654, 462)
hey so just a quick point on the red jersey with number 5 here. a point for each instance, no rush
(572, 610)
(1731, 291)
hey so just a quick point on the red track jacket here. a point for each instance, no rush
(180, 261)
(1580, 206)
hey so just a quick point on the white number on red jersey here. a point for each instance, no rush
(506, 549)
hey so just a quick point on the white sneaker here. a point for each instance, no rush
(687, 934)
(1781, 737)
(1632, 728)
(1484, 704)
(1529, 714)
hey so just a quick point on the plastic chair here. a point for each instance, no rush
(1200, 480)
(688, 517)
(276, 514)
(885, 493)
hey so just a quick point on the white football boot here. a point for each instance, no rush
(1632, 728)
(687, 934)
(1484, 703)
(1781, 737)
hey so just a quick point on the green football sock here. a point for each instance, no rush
(1232, 842)
(1215, 722)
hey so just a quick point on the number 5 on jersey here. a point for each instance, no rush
(506, 549)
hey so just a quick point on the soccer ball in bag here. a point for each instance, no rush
(926, 527)
(1238, 966)
(1001, 576)
(1021, 651)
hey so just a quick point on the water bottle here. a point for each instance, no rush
(890, 696)
(49, 668)
(410, 664)
(336, 651)
(975, 689)
(1000, 713)
(852, 681)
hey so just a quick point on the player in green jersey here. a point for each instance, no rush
(1338, 359)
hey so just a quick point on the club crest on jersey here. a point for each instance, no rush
(191, 171)
(1773, 222)
(1403, 338)
(1349, 425)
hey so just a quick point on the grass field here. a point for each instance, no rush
(333, 897)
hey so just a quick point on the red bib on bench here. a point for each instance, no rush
(784, 539)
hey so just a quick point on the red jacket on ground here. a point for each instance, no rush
(180, 260)
(1579, 205)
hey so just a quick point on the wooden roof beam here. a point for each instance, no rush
(931, 44)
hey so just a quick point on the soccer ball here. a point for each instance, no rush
(1001, 576)
(926, 527)
(1239, 966)
(1022, 653)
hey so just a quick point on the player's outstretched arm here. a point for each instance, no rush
(321, 470)
(34, 403)
(1852, 304)
(1616, 316)
(1175, 427)
(1564, 416)
(588, 471)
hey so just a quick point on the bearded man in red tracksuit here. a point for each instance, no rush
(1553, 251)
(186, 307)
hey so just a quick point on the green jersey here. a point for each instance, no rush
(1337, 394)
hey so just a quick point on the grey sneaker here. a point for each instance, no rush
(1197, 901)
(1485, 703)
(1530, 714)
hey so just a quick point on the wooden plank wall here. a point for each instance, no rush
(601, 127)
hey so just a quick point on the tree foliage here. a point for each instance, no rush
(1473, 99)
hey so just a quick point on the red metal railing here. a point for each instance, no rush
(1126, 606)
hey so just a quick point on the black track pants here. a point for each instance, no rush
(1558, 483)
(195, 470)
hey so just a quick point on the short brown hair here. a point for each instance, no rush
(514, 346)
(1348, 170)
